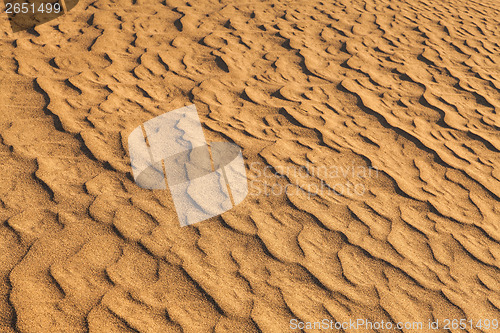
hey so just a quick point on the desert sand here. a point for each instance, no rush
(394, 104)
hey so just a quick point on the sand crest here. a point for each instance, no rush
(380, 116)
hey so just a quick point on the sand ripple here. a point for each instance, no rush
(408, 88)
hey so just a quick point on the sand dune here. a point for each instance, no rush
(392, 106)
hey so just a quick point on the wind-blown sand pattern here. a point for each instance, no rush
(410, 88)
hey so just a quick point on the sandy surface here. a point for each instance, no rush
(407, 88)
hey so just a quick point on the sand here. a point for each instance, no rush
(392, 106)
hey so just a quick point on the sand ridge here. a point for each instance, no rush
(409, 88)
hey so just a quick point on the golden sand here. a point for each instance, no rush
(409, 89)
